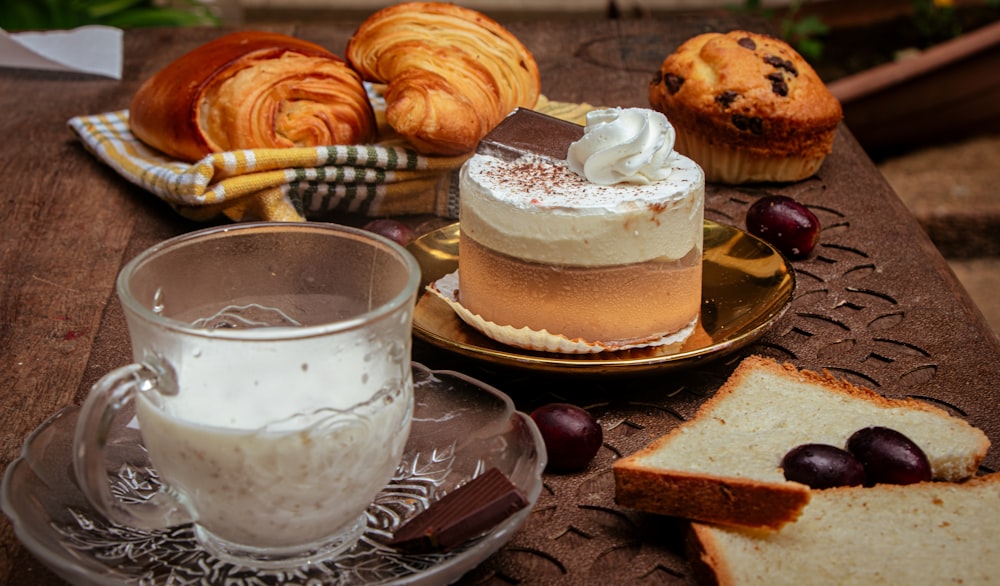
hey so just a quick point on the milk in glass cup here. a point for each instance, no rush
(271, 385)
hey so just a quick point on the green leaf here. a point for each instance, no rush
(142, 17)
(66, 14)
(21, 16)
(811, 25)
(105, 8)
(811, 49)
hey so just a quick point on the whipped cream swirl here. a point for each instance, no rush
(624, 145)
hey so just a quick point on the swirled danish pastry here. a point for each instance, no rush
(251, 90)
(452, 73)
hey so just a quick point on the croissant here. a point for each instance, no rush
(251, 90)
(452, 74)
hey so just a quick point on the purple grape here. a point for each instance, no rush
(394, 230)
(572, 436)
(889, 457)
(785, 224)
(822, 466)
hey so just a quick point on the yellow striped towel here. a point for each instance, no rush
(294, 184)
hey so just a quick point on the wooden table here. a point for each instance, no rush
(876, 304)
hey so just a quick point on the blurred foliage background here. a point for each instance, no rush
(21, 15)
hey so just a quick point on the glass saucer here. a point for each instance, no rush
(461, 428)
(746, 286)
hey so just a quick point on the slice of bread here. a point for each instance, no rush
(723, 465)
(926, 533)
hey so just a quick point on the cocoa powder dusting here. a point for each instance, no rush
(538, 178)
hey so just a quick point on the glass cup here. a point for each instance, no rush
(271, 384)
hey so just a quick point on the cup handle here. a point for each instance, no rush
(107, 398)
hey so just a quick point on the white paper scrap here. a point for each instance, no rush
(93, 49)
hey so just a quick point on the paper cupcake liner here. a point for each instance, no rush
(542, 340)
(727, 165)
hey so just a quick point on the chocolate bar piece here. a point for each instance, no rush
(464, 513)
(528, 132)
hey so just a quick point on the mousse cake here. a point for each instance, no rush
(581, 239)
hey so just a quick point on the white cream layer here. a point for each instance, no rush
(541, 211)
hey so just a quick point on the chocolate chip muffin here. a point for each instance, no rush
(746, 107)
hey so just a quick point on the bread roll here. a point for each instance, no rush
(251, 90)
(452, 74)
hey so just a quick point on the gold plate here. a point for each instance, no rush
(746, 287)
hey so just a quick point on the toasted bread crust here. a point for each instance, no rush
(754, 504)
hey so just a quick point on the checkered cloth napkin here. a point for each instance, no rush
(294, 184)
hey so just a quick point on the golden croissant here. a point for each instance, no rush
(451, 73)
(251, 90)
